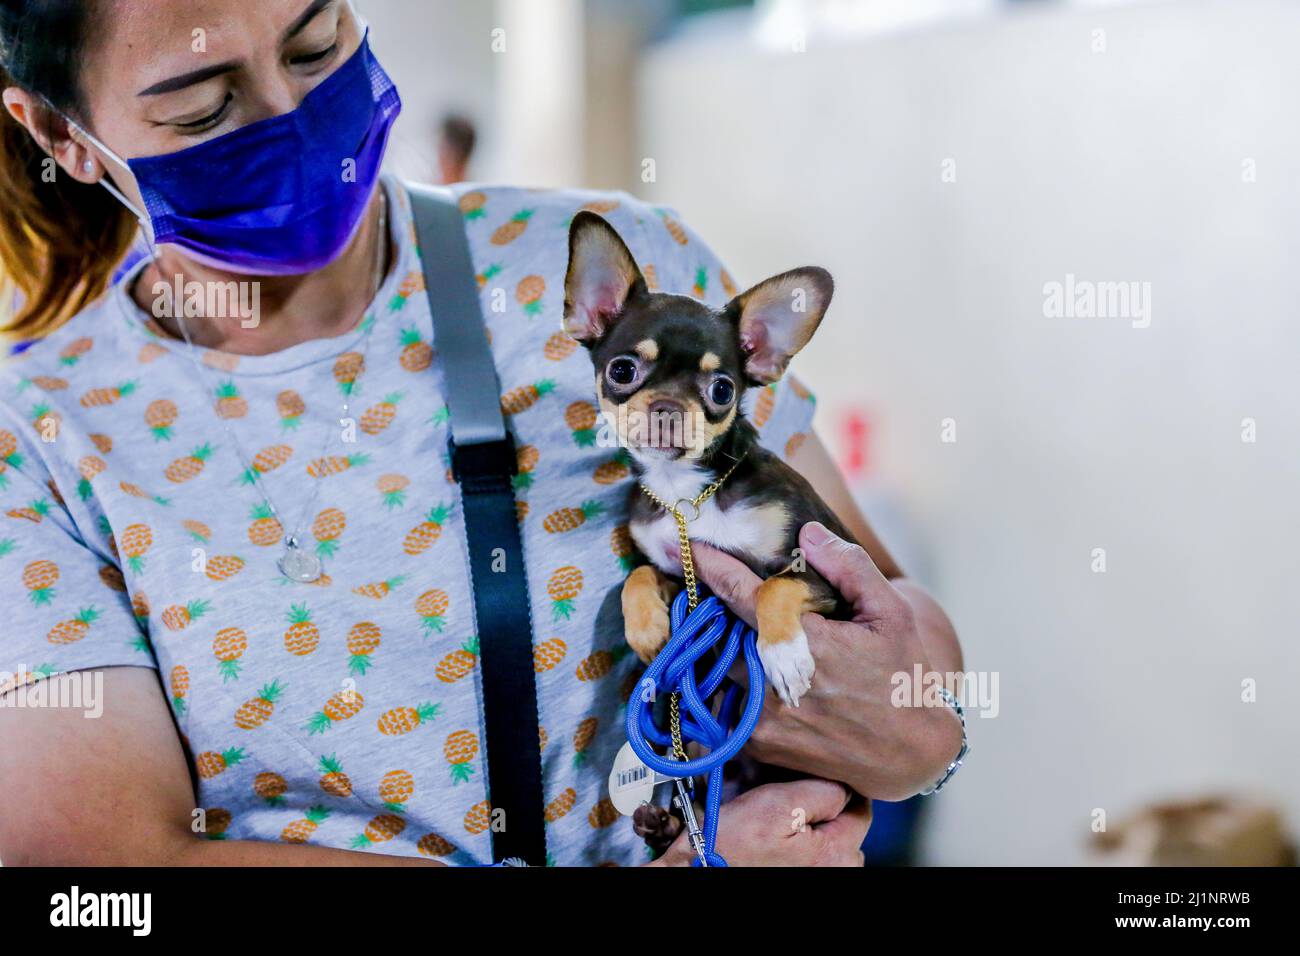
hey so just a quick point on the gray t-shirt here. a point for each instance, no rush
(344, 713)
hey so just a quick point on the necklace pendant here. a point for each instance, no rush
(299, 566)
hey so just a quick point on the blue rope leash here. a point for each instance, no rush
(693, 634)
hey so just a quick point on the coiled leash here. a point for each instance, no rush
(697, 628)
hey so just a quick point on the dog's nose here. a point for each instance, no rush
(668, 408)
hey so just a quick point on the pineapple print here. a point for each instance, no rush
(458, 663)
(381, 829)
(212, 763)
(150, 352)
(396, 789)
(435, 846)
(363, 640)
(228, 647)
(265, 531)
(223, 567)
(651, 277)
(561, 805)
(140, 608)
(411, 285)
(348, 367)
(393, 488)
(135, 542)
(569, 519)
(74, 350)
(513, 229)
(581, 419)
(333, 780)
(39, 579)
(403, 720)
(529, 292)
(230, 404)
(266, 461)
(90, 467)
(379, 589)
(674, 227)
(417, 354)
(624, 548)
(583, 738)
(69, 632)
(615, 470)
(601, 207)
(379, 417)
(432, 607)
(46, 422)
(135, 491)
(326, 529)
(36, 512)
(110, 575)
(478, 818)
(300, 831)
(290, 407)
(525, 397)
(794, 443)
(344, 705)
(190, 467)
(599, 663)
(160, 416)
(101, 397)
(270, 787)
(336, 465)
(564, 586)
(103, 444)
(216, 821)
(302, 637)
(180, 680)
(763, 406)
(560, 346)
(487, 275)
(701, 286)
(179, 616)
(548, 654)
(728, 284)
(526, 459)
(471, 205)
(9, 456)
(198, 531)
(257, 711)
(603, 814)
(424, 535)
(460, 748)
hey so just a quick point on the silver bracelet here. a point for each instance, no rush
(951, 700)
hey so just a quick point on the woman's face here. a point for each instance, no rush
(166, 75)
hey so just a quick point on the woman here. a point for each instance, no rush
(224, 490)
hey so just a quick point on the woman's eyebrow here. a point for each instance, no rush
(217, 69)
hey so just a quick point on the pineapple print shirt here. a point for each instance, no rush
(345, 713)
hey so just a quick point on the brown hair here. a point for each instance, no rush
(60, 240)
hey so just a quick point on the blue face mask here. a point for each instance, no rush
(282, 196)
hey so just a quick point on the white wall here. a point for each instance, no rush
(1073, 434)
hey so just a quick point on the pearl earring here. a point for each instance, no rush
(88, 166)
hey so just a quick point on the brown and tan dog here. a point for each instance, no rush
(670, 375)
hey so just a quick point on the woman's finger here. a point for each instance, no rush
(849, 569)
(732, 582)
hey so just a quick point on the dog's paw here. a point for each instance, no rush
(789, 666)
(646, 626)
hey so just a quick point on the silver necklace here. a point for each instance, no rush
(297, 565)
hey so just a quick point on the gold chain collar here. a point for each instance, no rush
(688, 573)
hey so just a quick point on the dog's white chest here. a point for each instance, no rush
(741, 528)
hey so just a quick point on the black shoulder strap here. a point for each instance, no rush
(483, 462)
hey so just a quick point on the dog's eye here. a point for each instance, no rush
(622, 371)
(722, 391)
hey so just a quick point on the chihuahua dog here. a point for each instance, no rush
(670, 376)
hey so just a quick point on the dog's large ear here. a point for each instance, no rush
(777, 317)
(602, 276)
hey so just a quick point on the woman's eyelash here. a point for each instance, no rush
(315, 57)
(210, 118)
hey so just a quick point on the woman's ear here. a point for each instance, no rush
(602, 276)
(777, 317)
(54, 134)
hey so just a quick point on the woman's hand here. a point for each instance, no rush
(801, 823)
(847, 727)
